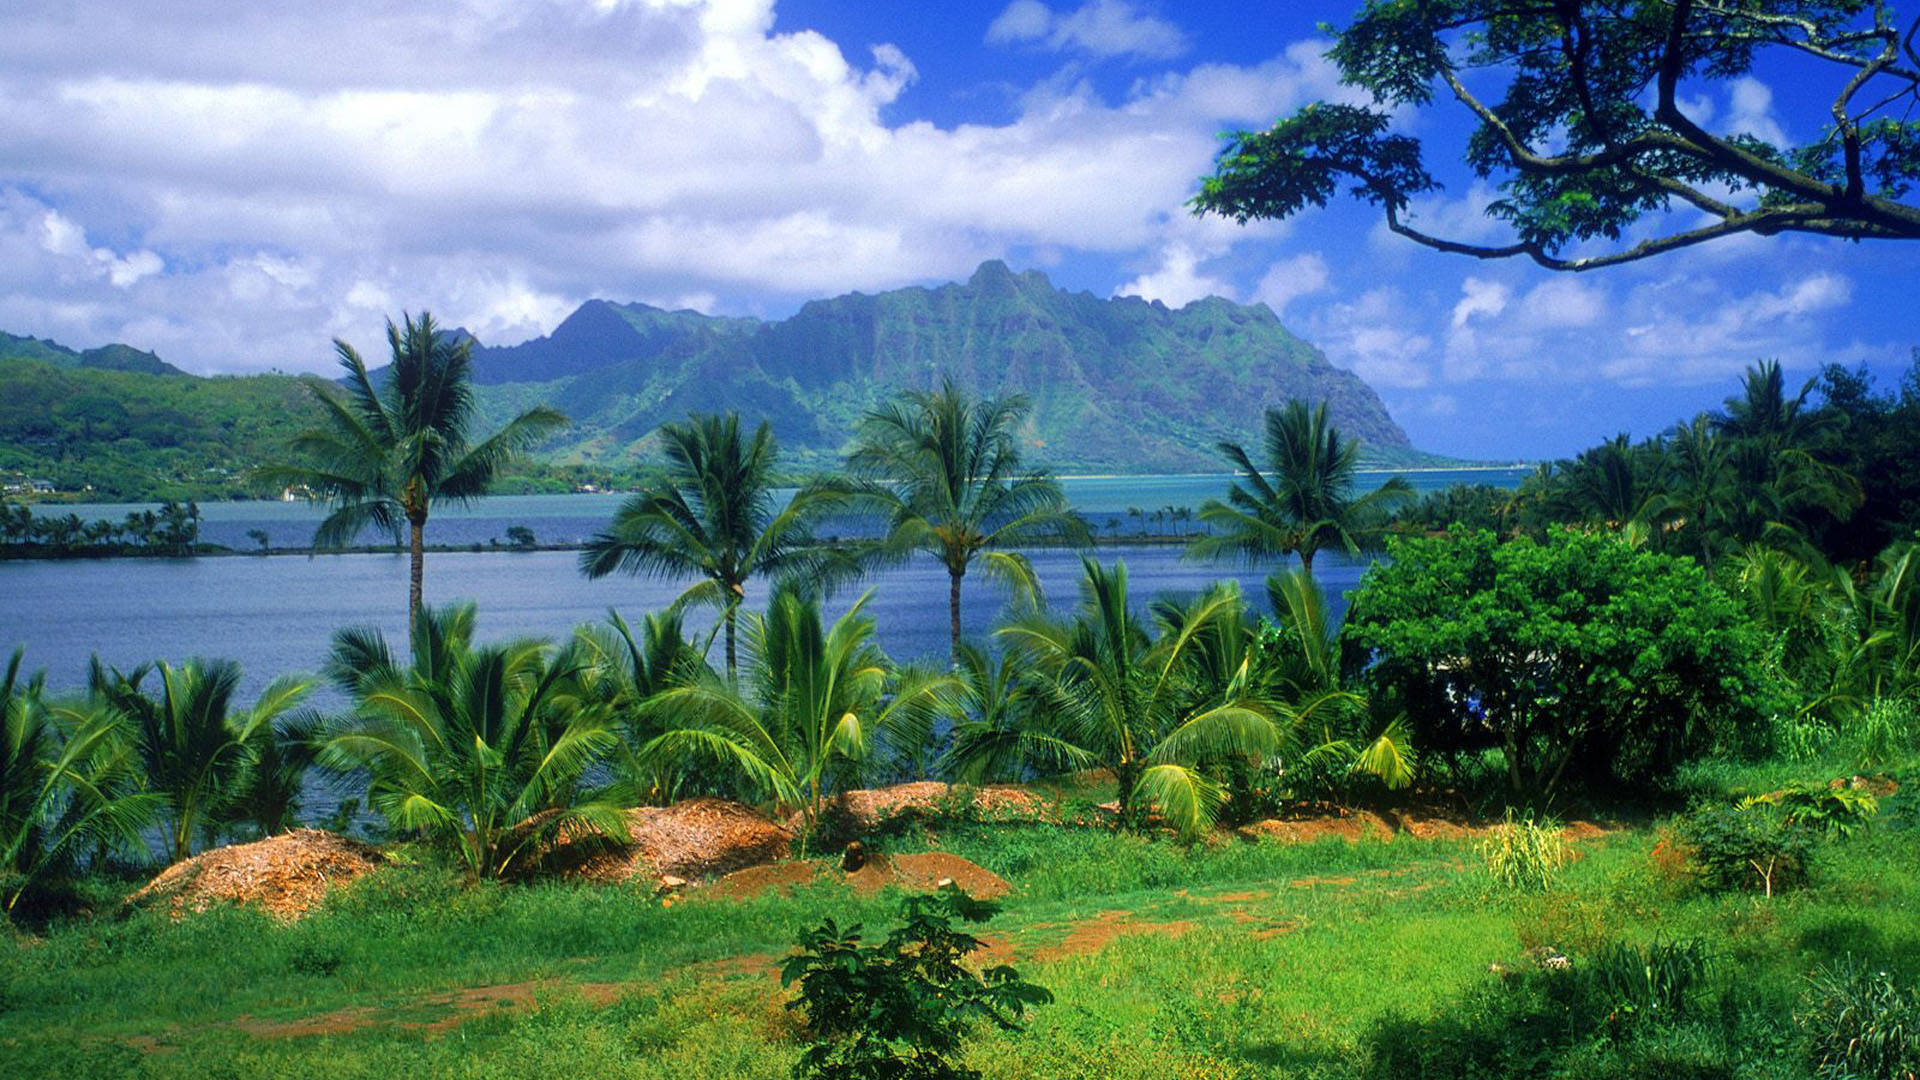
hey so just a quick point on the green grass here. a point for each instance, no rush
(1236, 959)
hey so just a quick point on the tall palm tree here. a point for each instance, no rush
(1304, 501)
(394, 447)
(197, 749)
(944, 469)
(67, 780)
(715, 517)
(820, 705)
(482, 748)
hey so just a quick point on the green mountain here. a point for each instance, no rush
(1117, 384)
(105, 358)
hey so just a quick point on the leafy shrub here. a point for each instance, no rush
(1861, 1024)
(901, 1009)
(1522, 853)
(1742, 847)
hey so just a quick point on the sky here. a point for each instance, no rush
(232, 185)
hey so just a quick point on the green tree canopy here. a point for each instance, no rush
(1581, 114)
(1577, 657)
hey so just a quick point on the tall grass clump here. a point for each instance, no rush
(1523, 854)
(1861, 1023)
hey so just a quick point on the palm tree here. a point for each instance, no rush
(197, 751)
(67, 780)
(945, 472)
(820, 704)
(1305, 500)
(390, 451)
(715, 516)
(1139, 700)
(482, 748)
(1305, 667)
(622, 672)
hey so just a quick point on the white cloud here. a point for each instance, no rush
(1098, 28)
(1750, 112)
(1177, 281)
(1375, 337)
(248, 192)
(1480, 297)
(1291, 278)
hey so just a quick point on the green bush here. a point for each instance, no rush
(1862, 1025)
(901, 1009)
(1745, 847)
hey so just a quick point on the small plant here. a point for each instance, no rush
(1861, 1023)
(1522, 853)
(1645, 984)
(1837, 812)
(1886, 733)
(901, 1009)
(1739, 847)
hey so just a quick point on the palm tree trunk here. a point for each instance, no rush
(417, 550)
(1306, 560)
(730, 653)
(954, 574)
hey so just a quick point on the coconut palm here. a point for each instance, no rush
(481, 748)
(197, 750)
(1304, 664)
(392, 449)
(715, 516)
(622, 671)
(67, 780)
(1304, 501)
(284, 754)
(1154, 705)
(944, 470)
(999, 738)
(820, 705)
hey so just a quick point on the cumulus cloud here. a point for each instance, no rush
(1377, 336)
(1177, 281)
(1100, 28)
(241, 191)
(1292, 278)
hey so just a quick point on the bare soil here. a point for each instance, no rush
(919, 872)
(695, 839)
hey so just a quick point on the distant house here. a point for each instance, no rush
(42, 487)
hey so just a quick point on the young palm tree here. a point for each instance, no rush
(394, 448)
(480, 747)
(820, 703)
(1305, 501)
(67, 780)
(715, 517)
(1138, 700)
(944, 469)
(622, 672)
(197, 752)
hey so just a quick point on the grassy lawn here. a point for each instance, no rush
(1237, 959)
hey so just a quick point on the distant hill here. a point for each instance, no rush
(105, 358)
(1116, 384)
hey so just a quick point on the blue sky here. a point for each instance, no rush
(232, 190)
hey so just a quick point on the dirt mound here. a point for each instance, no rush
(1366, 824)
(920, 872)
(694, 839)
(866, 809)
(287, 874)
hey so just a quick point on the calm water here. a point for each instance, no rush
(275, 614)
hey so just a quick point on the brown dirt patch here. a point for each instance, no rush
(455, 1006)
(694, 839)
(866, 809)
(1092, 935)
(920, 872)
(287, 875)
(1367, 824)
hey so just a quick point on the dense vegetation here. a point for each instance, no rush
(1675, 633)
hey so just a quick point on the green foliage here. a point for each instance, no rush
(1746, 847)
(386, 454)
(1887, 732)
(1577, 657)
(1830, 811)
(173, 529)
(1524, 854)
(1591, 133)
(1304, 501)
(482, 749)
(943, 470)
(901, 1009)
(197, 750)
(1861, 1022)
(713, 516)
(1652, 984)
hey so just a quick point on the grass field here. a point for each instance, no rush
(1233, 959)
